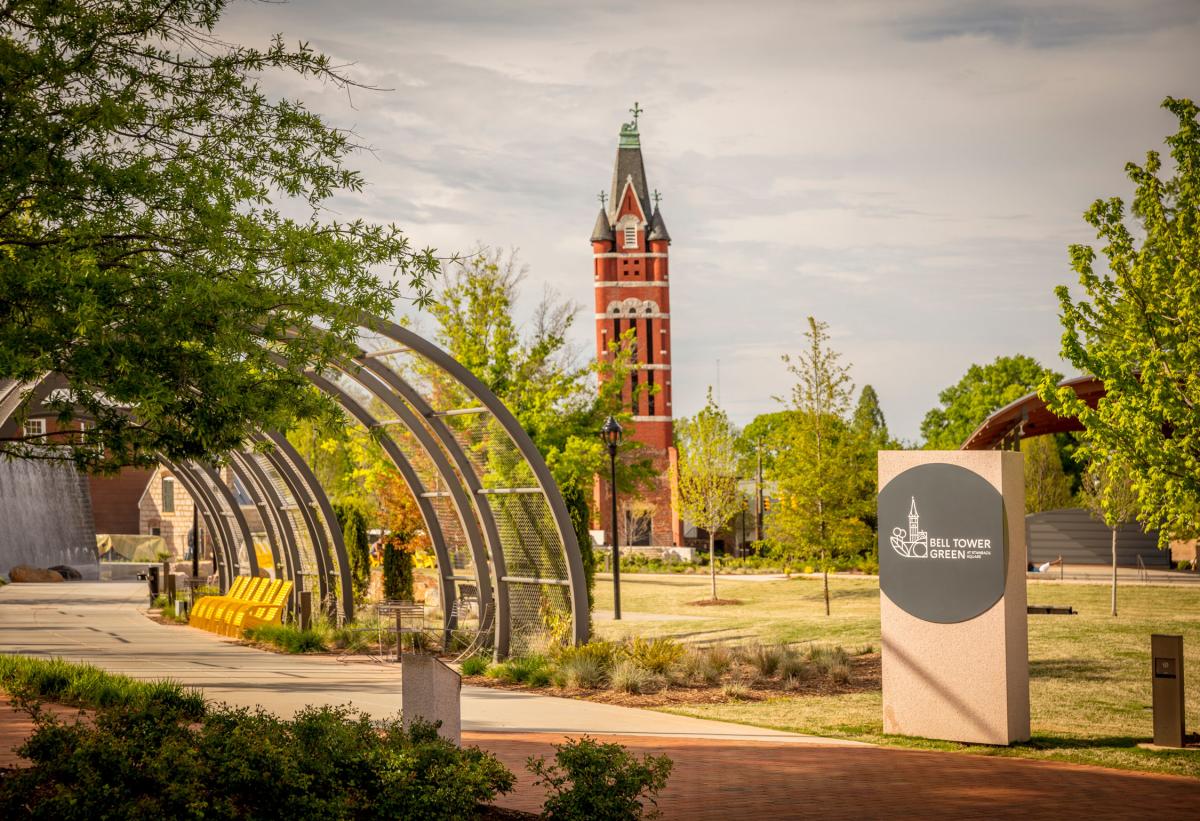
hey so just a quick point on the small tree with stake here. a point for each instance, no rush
(708, 494)
(1109, 494)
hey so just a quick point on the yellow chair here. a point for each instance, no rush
(219, 604)
(203, 608)
(271, 613)
(231, 619)
(255, 593)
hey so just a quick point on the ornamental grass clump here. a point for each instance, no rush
(658, 655)
(475, 665)
(826, 656)
(706, 664)
(580, 671)
(765, 658)
(289, 638)
(533, 670)
(627, 676)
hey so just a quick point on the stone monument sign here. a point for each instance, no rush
(952, 595)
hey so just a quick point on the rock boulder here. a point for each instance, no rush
(25, 573)
(67, 572)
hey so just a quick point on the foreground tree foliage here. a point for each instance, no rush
(163, 242)
(1137, 328)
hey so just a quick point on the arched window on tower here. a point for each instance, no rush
(630, 235)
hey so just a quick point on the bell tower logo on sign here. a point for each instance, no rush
(913, 543)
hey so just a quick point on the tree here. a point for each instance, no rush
(707, 488)
(982, 390)
(1137, 328)
(352, 518)
(1109, 494)
(868, 419)
(819, 473)
(1047, 486)
(144, 249)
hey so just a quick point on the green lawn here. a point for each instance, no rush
(1089, 674)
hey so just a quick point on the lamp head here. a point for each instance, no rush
(610, 432)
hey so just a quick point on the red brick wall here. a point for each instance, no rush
(115, 500)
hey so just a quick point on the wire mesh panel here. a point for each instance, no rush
(533, 581)
(225, 511)
(309, 575)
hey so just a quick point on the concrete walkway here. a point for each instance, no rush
(102, 623)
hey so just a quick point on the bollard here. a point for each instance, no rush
(169, 587)
(1167, 655)
(305, 609)
(152, 582)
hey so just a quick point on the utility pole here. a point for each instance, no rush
(758, 497)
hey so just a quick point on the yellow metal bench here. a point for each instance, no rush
(203, 609)
(268, 613)
(231, 620)
(221, 613)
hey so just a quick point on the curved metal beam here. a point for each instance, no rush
(275, 506)
(274, 536)
(228, 566)
(215, 481)
(558, 508)
(487, 521)
(415, 485)
(305, 473)
(304, 506)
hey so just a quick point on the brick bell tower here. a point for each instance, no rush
(629, 260)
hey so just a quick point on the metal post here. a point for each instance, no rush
(305, 609)
(616, 550)
(195, 541)
(758, 497)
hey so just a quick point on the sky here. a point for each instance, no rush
(910, 172)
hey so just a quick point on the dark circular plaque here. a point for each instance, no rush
(943, 554)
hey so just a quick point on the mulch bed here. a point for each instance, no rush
(714, 602)
(865, 676)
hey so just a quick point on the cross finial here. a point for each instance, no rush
(636, 111)
(656, 197)
(603, 197)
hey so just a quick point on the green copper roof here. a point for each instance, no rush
(629, 136)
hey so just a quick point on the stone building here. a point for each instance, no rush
(630, 248)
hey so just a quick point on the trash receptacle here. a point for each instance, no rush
(152, 581)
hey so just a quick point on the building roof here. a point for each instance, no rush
(1029, 417)
(602, 232)
(658, 228)
(629, 166)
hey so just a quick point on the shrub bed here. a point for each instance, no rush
(151, 761)
(653, 672)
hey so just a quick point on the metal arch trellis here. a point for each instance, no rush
(481, 481)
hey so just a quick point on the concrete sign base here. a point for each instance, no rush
(952, 595)
(431, 691)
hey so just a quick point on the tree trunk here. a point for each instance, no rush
(1114, 575)
(825, 571)
(712, 563)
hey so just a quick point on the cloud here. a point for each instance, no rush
(910, 172)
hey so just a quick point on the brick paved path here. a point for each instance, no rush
(756, 780)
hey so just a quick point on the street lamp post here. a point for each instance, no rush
(611, 434)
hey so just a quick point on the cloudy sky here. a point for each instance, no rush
(908, 171)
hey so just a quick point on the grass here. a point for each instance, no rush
(1090, 687)
(82, 685)
(289, 638)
